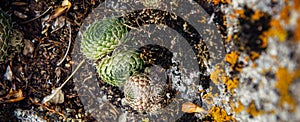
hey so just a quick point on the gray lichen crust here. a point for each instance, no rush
(116, 69)
(102, 37)
(144, 94)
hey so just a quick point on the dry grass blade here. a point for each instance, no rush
(37, 16)
(58, 90)
(70, 40)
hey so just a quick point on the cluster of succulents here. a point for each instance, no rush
(123, 69)
(10, 39)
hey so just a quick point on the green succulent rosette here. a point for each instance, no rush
(5, 32)
(102, 37)
(144, 94)
(115, 70)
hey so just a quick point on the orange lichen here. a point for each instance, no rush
(284, 19)
(253, 110)
(229, 37)
(231, 83)
(216, 2)
(264, 39)
(254, 65)
(297, 31)
(297, 4)
(237, 109)
(254, 55)
(208, 98)
(257, 15)
(239, 12)
(219, 76)
(285, 14)
(277, 30)
(284, 80)
(220, 115)
(225, 21)
(232, 58)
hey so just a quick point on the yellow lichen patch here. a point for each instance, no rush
(253, 110)
(271, 112)
(297, 4)
(254, 55)
(285, 14)
(220, 115)
(277, 30)
(264, 39)
(208, 98)
(254, 65)
(216, 2)
(277, 25)
(218, 75)
(257, 15)
(229, 37)
(231, 83)
(237, 109)
(284, 80)
(239, 12)
(297, 32)
(232, 58)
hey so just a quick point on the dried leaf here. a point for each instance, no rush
(12, 96)
(190, 107)
(28, 47)
(56, 96)
(57, 13)
(65, 6)
(8, 74)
